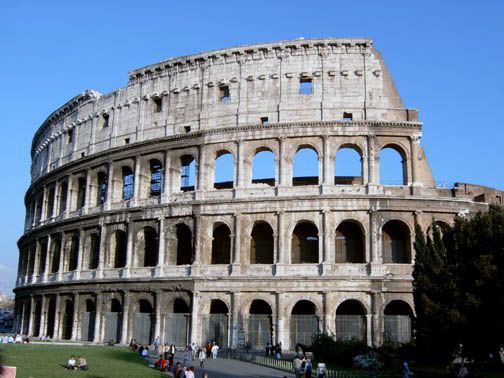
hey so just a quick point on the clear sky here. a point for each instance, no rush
(446, 58)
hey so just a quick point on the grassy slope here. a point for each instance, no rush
(47, 360)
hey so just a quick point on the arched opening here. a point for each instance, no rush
(94, 251)
(55, 255)
(392, 166)
(440, 226)
(73, 255)
(119, 247)
(113, 321)
(215, 325)
(51, 316)
(305, 167)
(303, 323)
(42, 256)
(63, 197)
(398, 323)
(305, 244)
(224, 170)
(143, 322)
(221, 245)
(187, 173)
(396, 243)
(128, 179)
(37, 317)
(351, 321)
(81, 192)
(263, 167)
(349, 243)
(101, 193)
(260, 330)
(151, 247)
(184, 244)
(26, 317)
(68, 320)
(156, 177)
(88, 321)
(348, 167)
(177, 322)
(261, 244)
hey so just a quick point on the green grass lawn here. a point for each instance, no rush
(46, 360)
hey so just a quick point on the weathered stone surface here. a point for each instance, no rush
(98, 242)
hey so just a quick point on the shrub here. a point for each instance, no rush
(369, 361)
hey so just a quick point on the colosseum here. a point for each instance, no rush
(134, 229)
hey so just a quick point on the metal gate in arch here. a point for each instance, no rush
(176, 328)
(303, 328)
(215, 328)
(259, 330)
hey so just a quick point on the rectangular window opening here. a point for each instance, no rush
(187, 129)
(347, 116)
(305, 86)
(82, 154)
(70, 136)
(158, 104)
(224, 93)
(126, 141)
(264, 121)
(105, 120)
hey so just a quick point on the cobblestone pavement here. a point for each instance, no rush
(228, 368)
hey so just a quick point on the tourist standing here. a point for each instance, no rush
(202, 356)
(215, 349)
(321, 370)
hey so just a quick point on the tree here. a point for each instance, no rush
(434, 293)
(458, 286)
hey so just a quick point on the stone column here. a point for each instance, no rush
(125, 319)
(327, 255)
(68, 205)
(161, 248)
(47, 259)
(89, 190)
(282, 334)
(326, 163)
(76, 329)
(198, 247)
(201, 173)
(80, 255)
(414, 147)
(167, 178)
(102, 255)
(137, 177)
(129, 250)
(98, 337)
(282, 164)
(281, 258)
(42, 328)
(195, 334)
(327, 314)
(35, 271)
(44, 204)
(236, 261)
(110, 186)
(373, 167)
(157, 325)
(31, 313)
(57, 318)
(61, 264)
(240, 180)
(236, 321)
(377, 318)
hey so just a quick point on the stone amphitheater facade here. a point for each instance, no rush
(129, 234)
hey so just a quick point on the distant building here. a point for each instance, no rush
(132, 233)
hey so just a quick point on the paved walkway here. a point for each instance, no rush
(228, 368)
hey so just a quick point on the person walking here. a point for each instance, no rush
(215, 349)
(297, 366)
(321, 370)
(202, 356)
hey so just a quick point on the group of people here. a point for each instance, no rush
(14, 339)
(79, 364)
(274, 351)
(303, 364)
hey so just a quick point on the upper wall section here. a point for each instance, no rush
(288, 81)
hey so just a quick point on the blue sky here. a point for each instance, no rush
(445, 57)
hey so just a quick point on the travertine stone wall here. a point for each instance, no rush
(116, 246)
